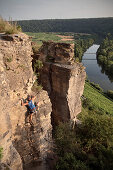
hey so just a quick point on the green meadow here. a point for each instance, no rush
(39, 37)
(98, 99)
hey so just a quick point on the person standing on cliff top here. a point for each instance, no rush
(31, 107)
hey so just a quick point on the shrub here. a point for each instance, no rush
(96, 86)
(36, 87)
(69, 162)
(88, 146)
(1, 149)
(86, 102)
(97, 129)
(110, 93)
(38, 65)
(35, 47)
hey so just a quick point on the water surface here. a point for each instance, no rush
(93, 70)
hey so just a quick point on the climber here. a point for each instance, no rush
(31, 107)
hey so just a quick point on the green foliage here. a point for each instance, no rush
(69, 162)
(98, 99)
(37, 65)
(110, 93)
(86, 102)
(81, 46)
(35, 47)
(96, 86)
(88, 146)
(36, 87)
(38, 38)
(105, 55)
(95, 26)
(1, 150)
(97, 130)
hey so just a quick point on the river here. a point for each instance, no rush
(93, 70)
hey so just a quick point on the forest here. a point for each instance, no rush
(96, 26)
(105, 55)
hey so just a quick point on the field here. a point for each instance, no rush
(98, 99)
(39, 37)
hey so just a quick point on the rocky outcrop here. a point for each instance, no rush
(57, 52)
(63, 79)
(21, 143)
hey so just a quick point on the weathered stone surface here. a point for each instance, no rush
(57, 52)
(63, 82)
(20, 141)
(10, 156)
(34, 142)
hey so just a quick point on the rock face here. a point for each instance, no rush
(20, 141)
(26, 146)
(10, 155)
(57, 52)
(34, 142)
(63, 80)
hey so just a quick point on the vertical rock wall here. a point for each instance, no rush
(21, 142)
(63, 79)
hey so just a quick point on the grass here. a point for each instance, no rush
(98, 99)
(9, 27)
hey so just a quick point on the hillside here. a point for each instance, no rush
(99, 26)
(98, 99)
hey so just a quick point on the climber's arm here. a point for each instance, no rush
(23, 104)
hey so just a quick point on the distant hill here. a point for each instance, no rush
(99, 26)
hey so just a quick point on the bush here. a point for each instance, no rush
(36, 87)
(88, 146)
(37, 65)
(86, 102)
(96, 86)
(35, 47)
(97, 129)
(1, 149)
(69, 162)
(110, 94)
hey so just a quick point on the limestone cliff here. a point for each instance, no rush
(16, 80)
(26, 146)
(63, 79)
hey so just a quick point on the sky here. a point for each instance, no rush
(55, 9)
